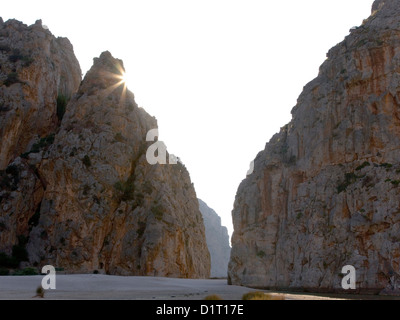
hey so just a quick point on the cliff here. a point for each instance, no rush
(217, 241)
(325, 191)
(35, 69)
(83, 196)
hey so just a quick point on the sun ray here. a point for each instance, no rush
(121, 80)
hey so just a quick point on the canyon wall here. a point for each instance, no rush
(325, 192)
(76, 189)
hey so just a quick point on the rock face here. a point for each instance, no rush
(217, 241)
(86, 199)
(325, 192)
(36, 68)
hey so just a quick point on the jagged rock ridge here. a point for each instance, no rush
(325, 191)
(217, 241)
(85, 199)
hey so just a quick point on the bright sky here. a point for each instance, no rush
(221, 76)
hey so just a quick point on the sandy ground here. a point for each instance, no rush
(102, 287)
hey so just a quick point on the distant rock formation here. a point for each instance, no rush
(82, 196)
(217, 241)
(325, 192)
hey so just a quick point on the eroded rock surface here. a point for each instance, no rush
(83, 197)
(36, 68)
(325, 192)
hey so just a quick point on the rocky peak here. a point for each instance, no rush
(36, 69)
(106, 72)
(83, 197)
(378, 4)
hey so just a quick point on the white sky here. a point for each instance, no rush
(221, 76)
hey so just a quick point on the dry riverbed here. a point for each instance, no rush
(102, 287)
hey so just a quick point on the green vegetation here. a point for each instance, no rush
(34, 220)
(73, 152)
(96, 199)
(142, 228)
(86, 189)
(361, 43)
(4, 272)
(365, 164)
(158, 211)
(40, 292)
(27, 61)
(12, 78)
(5, 48)
(130, 107)
(43, 143)
(86, 161)
(9, 178)
(7, 261)
(12, 169)
(139, 199)
(350, 178)
(124, 190)
(26, 272)
(395, 182)
(292, 161)
(386, 165)
(261, 254)
(44, 235)
(19, 254)
(284, 149)
(17, 56)
(4, 108)
(258, 295)
(119, 138)
(62, 102)
(147, 187)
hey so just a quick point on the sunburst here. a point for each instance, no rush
(121, 81)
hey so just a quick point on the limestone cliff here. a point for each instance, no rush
(325, 192)
(36, 68)
(85, 199)
(217, 241)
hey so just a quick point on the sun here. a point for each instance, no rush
(121, 82)
(124, 78)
